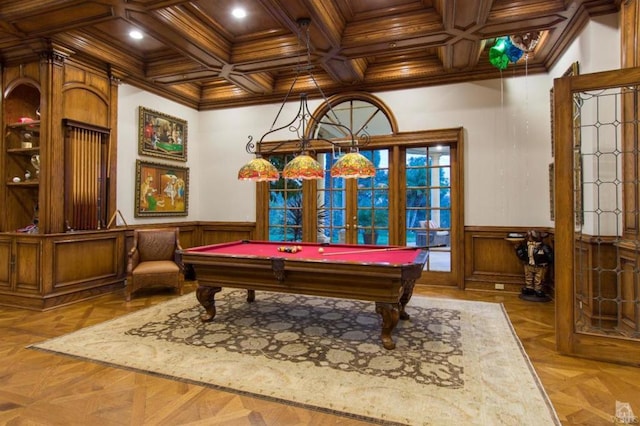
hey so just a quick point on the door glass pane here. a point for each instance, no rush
(332, 205)
(428, 205)
(373, 201)
(285, 205)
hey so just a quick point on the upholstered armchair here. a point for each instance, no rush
(153, 261)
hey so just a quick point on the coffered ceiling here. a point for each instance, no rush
(196, 53)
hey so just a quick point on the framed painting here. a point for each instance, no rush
(161, 135)
(161, 190)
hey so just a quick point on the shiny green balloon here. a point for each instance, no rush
(497, 54)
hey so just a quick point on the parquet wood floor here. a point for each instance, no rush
(44, 389)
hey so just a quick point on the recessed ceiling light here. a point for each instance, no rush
(239, 13)
(135, 34)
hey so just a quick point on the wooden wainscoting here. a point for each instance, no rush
(221, 232)
(629, 314)
(46, 271)
(596, 291)
(491, 262)
(193, 234)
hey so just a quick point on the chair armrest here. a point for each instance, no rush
(133, 259)
(177, 258)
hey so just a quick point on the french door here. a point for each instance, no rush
(354, 211)
(414, 199)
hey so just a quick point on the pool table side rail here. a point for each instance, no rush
(370, 282)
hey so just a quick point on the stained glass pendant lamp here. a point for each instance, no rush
(353, 165)
(258, 170)
(303, 165)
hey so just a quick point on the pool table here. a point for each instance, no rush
(381, 274)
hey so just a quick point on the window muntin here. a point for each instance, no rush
(285, 205)
(428, 203)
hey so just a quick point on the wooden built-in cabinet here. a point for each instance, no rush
(45, 99)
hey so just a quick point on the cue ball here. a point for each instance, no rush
(320, 250)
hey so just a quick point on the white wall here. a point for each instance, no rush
(230, 199)
(596, 49)
(507, 142)
(507, 138)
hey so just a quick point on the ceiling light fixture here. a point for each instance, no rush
(239, 13)
(304, 166)
(136, 34)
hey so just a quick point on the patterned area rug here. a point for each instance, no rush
(455, 361)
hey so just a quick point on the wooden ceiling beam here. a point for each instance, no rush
(202, 44)
(328, 21)
(325, 32)
(462, 19)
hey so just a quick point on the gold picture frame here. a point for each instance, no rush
(161, 190)
(161, 135)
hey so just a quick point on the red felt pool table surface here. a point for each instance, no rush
(368, 254)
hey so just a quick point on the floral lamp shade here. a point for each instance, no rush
(303, 167)
(353, 165)
(258, 170)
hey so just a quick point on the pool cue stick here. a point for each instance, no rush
(368, 250)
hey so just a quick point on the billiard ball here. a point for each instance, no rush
(320, 250)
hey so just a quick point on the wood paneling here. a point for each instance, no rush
(92, 258)
(213, 233)
(6, 254)
(490, 260)
(28, 258)
(46, 271)
(628, 315)
(597, 257)
(86, 94)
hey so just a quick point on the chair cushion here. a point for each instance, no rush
(156, 267)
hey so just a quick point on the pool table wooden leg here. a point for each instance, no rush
(251, 296)
(206, 296)
(390, 314)
(404, 299)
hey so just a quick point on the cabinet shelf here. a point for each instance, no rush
(25, 184)
(31, 125)
(23, 151)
